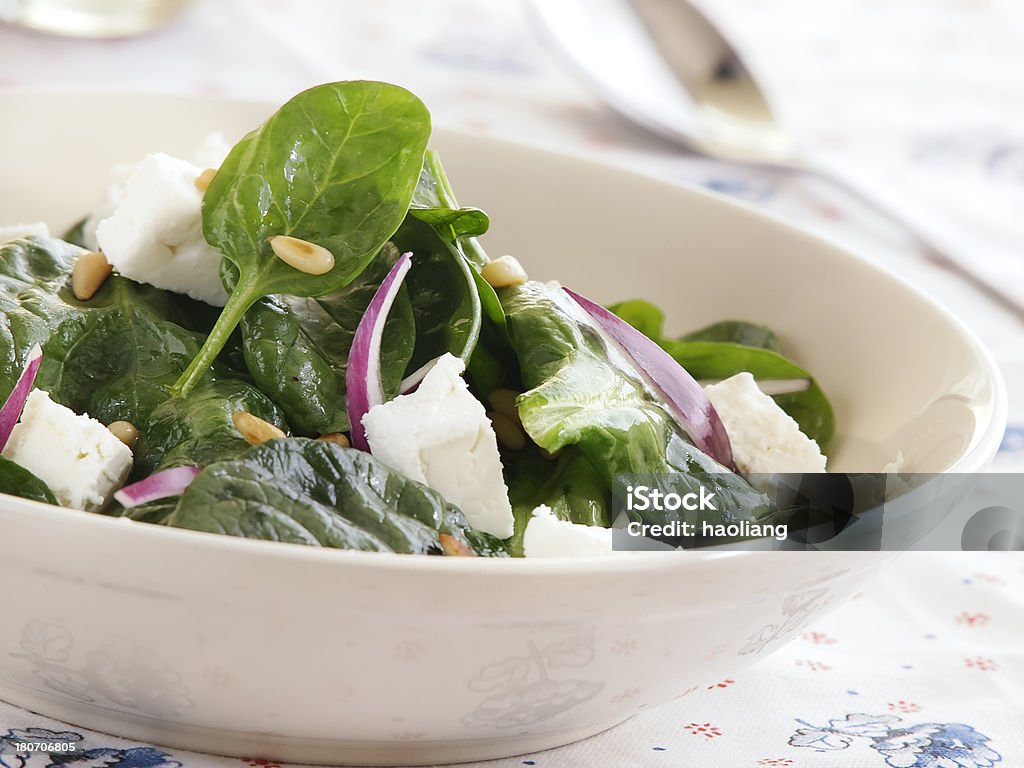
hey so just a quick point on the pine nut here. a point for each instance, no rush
(203, 179)
(504, 402)
(90, 272)
(453, 547)
(254, 429)
(303, 255)
(504, 272)
(507, 431)
(124, 431)
(338, 438)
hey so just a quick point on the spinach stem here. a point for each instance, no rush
(242, 297)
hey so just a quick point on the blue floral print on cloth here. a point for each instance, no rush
(107, 757)
(927, 745)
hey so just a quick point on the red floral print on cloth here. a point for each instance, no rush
(813, 666)
(776, 762)
(981, 663)
(973, 619)
(904, 706)
(706, 729)
(723, 684)
(819, 638)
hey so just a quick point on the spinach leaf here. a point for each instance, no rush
(337, 166)
(583, 393)
(724, 349)
(112, 356)
(433, 202)
(320, 494)
(200, 430)
(649, 320)
(570, 485)
(720, 360)
(296, 348)
(18, 481)
(737, 332)
(444, 297)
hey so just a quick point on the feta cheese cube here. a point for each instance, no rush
(76, 456)
(440, 435)
(548, 536)
(765, 439)
(155, 234)
(14, 231)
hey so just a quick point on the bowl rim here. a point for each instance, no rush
(977, 455)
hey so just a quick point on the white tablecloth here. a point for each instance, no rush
(925, 669)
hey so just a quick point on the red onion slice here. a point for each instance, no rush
(159, 485)
(682, 394)
(363, 388)
(15, 403)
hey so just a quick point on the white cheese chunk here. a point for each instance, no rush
(14, 231)
(547, 536)
(76, 456)
(765, 439)
(155, 234)
(440, 435)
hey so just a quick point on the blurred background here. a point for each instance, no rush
(925, 96)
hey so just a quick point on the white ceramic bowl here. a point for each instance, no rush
(261, 649)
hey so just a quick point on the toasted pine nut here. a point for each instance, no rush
(507, 431)
(504, 272)
(303, 255)
(504, 402)
(453, 547)
(203, 179)
(254, 429)
(89, 273)
(124, 431)
(335, 437)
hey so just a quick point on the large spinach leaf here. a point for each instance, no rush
(725, 349)
(583, 393)
(112, 356)
(296, 348)
(318, 493)
(337, 166)
(199, 430)
(444, 296)
(18, 481)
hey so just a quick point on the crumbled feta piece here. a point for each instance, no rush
(548, 536)
(155, 234)
(210, 154)
(76, 456)
(440, 435)
(14, 231)
(764, 438)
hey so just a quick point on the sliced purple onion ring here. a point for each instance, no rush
(363, 388)
(159, 485)
(15, 403)
(682, 394)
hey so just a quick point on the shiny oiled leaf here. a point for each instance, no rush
(320, 494)
(297, 348)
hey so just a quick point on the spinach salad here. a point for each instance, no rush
(309, 344)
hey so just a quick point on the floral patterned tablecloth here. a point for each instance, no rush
(917, 671)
